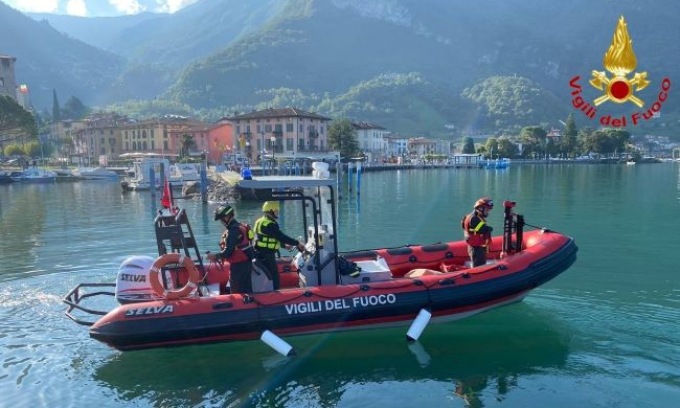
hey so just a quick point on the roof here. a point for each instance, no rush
(366, 125)
(268, 182)
(277, 113)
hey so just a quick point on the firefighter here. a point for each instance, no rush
(477, 232)
(236, 248)
(269, 238)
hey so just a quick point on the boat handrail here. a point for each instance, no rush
(74, 297)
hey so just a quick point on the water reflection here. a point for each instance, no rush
(474, 361)
(22, 221)
(678, 182)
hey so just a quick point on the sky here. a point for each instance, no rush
(97, 8)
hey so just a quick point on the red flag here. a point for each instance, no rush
(166, 198)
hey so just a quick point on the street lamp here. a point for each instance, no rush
(273, 140)
(262, 150)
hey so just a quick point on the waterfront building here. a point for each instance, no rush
(221, 141)
(100, 135)
(397, 145)
(163, 135)
(421, 146)
(371, 139)
(284, 133)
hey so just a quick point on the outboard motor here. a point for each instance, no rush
(132, 281)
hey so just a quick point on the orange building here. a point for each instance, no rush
(221, 140)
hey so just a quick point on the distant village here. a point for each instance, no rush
(281, 133)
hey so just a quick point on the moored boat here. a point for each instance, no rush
(35, 175)
(177, 300)
(5, 177)
(95, 173)
(176, 174)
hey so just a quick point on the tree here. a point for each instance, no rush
(506, 148)
(186, 145)
(569, 143)
(584, 139)
(74, 109)
(35, 149)
(56, 111)
(606, 141)
(492, 147)
(533, 137)
(343, 137)
(468, 145)
(14, 149)
(15, 121)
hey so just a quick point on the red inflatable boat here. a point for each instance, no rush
(322, 290)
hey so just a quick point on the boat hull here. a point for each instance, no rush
(293, 311)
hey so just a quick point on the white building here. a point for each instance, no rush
(371, 138)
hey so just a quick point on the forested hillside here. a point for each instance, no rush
(409, 65)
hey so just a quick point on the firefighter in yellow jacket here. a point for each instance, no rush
(269, 238)
(477, 232)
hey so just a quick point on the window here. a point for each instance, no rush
(267, 128)
(289, 127)
(289, 143)
(238, 129)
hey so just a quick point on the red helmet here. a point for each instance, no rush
(484, 202)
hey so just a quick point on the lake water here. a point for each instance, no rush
(605, 333)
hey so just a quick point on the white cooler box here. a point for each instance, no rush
(371, 271)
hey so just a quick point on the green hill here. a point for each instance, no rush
(409, 65)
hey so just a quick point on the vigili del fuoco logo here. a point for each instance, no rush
(619, 85)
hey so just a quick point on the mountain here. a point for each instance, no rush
(408, 65)
(100, 32)
(47, 60)
(331, 46)
(158, 46)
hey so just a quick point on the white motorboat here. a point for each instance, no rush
(95, 173)
(176, 174)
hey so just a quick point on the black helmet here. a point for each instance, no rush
(222, 211)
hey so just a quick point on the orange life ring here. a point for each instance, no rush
(187, 263)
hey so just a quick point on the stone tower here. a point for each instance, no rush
(8, 83)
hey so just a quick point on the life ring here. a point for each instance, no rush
(187, 263)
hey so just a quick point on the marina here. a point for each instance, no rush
(606, 327)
